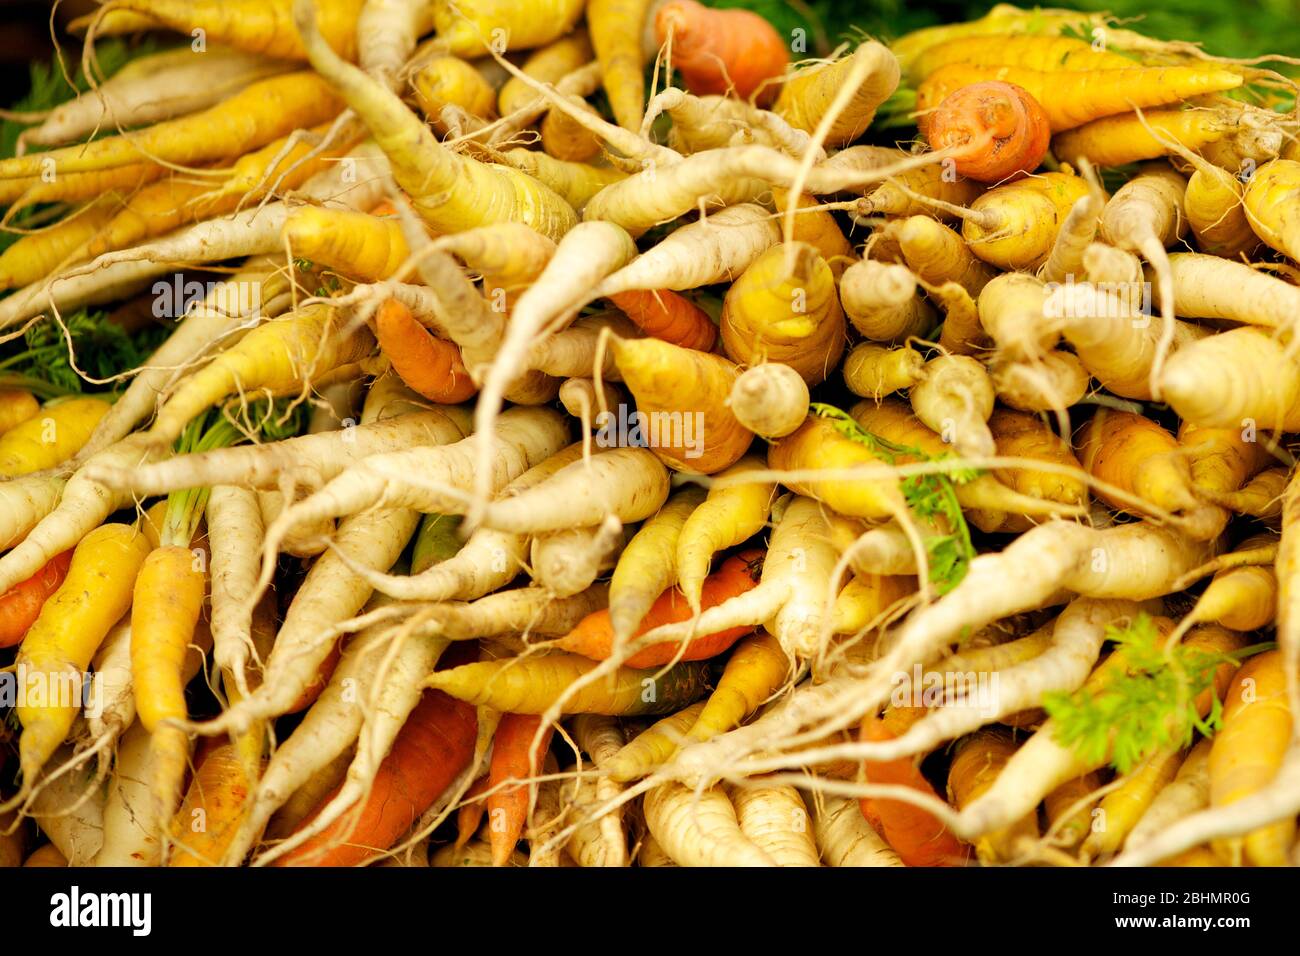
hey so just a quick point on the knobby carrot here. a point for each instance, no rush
(594, 637)
(21, 605)
(998, 129)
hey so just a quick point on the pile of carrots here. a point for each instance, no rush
(589, 433)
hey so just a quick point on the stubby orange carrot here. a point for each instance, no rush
(22, 603)
(428, 364)
(916, 836)
(513, 758)
(669, 316)
(434, 745)
(999, 130)
(594, 635)
(721, 50)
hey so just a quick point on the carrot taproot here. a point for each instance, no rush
(774, 818)
(281, 355)
(49, 437)
(978, 761)
(595, 638)
(430, 365)
(700, 829)
(845, 838)
(1247, 753)
(261, 112)
(771, 400)
(533, 685)
(433, 746)
(1074, 97)
(995, 130)
(938, 255)
(153, 87)
(1119, 811)
(213, 809)
(1269, 198)
(649, 565)
(670, 382)
(874, 371)
(468, 26)
(21, 604)
(263, 28)
(575, 182)
(359, 245)
(653, 746)
(450, 81)
(755, 670)
(717, 51)
(514, 758)
(33, 257)
(450, 191)
(168, 598)
(668, 316)
(549, 63)
(1045, 53)
(17, 405)
(67, 632)
(783, 308)
(807, 94)
(915, 835)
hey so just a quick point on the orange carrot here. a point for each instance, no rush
(470, 815)
(1000, 131)
(507, 807)
(434, 745)
(428, 364)
(594, 635)
(213, 809)
(22, 603)
(669, 316)
(720, 50)
(916, 836)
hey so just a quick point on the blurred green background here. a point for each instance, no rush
(1238, 28)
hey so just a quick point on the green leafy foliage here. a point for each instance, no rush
(932, 497)
(102, 348)
(1147, 704)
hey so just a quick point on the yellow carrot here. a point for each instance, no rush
(280, 356)
(64, 638)
(756, 669)
(253, 117)
(532, 685)
(452, 192)
(1074, 97)
(357, 244)
(167, 600)
(682, 393)
(50, 437)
